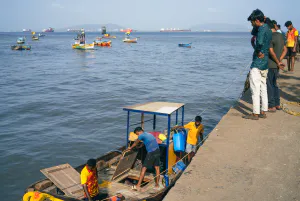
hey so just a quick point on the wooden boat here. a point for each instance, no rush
(103, 43)
(21, 47)
(188, 45)
(109, 36)
(83, 46)
(130, 40)
(21, 40)
(116, 170)
(35, 38)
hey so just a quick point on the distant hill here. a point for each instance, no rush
(221, 27)
(92, 27)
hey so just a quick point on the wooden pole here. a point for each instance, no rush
(142, 120)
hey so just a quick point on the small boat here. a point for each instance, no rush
(21, 40)
(189, 45)
(35, 37)
(83, 46)
(102, 43)
(118, 170)
(21, 47)
(130, 40)
(41, 35)
(109, 36)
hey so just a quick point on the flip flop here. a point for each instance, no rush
(134, 188)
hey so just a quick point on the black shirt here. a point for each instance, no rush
(277, 43)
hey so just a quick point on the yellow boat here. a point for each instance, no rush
(109, 36)
(83, 46)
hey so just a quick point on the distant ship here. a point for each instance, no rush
(127, 30)
(175, 30)
(26, 30)
(48, 30)
(73, 30)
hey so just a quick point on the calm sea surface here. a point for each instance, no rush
(59, 105)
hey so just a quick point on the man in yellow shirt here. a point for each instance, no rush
(291, 44)
(196, 129)
(89, 181)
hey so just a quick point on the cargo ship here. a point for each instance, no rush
(26, 30)
(127, 30)
(174, 30)
(48, 30)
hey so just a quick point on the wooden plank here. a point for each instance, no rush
(66, 178)
(125, 164)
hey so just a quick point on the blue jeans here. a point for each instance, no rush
(273, 91)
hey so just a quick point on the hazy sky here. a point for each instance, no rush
(139, 14)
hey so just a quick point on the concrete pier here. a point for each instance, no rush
(246, 159)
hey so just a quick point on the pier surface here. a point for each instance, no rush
(246, 159)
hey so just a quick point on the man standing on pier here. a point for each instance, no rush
(278, 51)
(292, 41)
(259, 66)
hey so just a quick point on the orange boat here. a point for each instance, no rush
(103, 43)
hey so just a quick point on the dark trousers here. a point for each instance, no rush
(272, 88)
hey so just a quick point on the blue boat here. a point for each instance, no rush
(189, 45)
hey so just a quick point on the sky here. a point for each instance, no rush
(139, 14)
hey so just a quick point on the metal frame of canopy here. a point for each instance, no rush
(160, 109)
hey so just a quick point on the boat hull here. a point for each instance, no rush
(20, 42)
(83, 47)
(103, 43)
(110, 37)
(158, 196)
(185, 45)
(130, 40)
(21, 47)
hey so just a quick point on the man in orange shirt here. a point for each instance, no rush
(291, 44)
(89, 181)
(196, 129)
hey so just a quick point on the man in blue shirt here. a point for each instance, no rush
(153, 155)
(259, 66)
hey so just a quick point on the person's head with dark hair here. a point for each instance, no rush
(289, 25)
(138, 130)
(279, 26)
(270, 23)
(257, 17)
(274, 22)
(91, 164)
(198, 120)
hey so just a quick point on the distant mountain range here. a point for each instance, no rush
(213, 27)
(92, 27)
(221, 27)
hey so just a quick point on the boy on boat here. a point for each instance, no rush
(153, 155)
(196, 129)
(89, 181)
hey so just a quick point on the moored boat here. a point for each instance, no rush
(109, 36)
(188, 45)
(21, 47)
(41, 35)
(118, 170)
(35, 38)
(21, 40)
(102, 43)
(130, 40)
(83, 46)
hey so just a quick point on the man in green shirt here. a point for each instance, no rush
(278, 51)
(259, 66)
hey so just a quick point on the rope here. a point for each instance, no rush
(288, 111)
